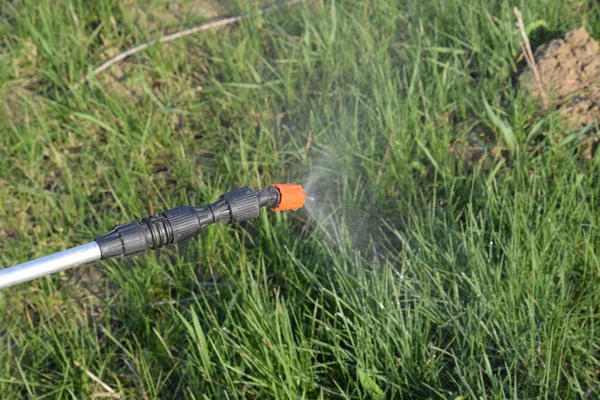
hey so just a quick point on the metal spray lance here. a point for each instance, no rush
(163, 229)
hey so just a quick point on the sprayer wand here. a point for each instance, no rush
(167, 228)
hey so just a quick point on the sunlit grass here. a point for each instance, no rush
(457, 265)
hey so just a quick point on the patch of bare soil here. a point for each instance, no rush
(570, 73)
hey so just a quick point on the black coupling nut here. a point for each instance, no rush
(154, 232)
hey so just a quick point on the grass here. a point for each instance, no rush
(436, 271)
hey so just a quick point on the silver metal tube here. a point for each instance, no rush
(48, 265)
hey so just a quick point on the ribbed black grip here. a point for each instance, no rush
(243, 204)
(184, 223)
(135, 238)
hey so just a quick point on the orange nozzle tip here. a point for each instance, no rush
(291, 197)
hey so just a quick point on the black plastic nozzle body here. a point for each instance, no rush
(183, 223)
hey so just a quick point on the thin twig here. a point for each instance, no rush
(178, 35)
(526, 46)
(95, 378)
